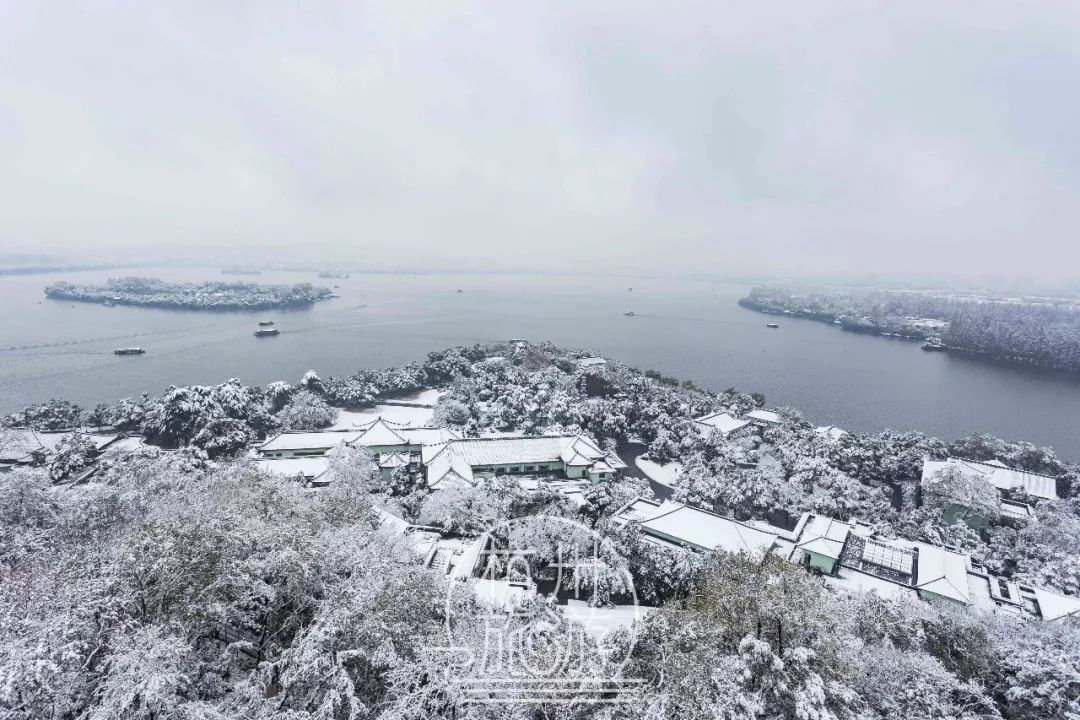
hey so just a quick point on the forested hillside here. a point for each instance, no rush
(1037, 332)
(186, 583)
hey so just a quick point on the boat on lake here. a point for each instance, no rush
(771, 325)
(933, 343)
(266, 323)
(267, 332)
(129, 351)
(629, 314)
(109, 303)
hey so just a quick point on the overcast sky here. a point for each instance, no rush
(724, 137)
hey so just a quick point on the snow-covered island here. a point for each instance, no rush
(306, 550)
(151, 292)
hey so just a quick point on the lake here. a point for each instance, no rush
(691, 330)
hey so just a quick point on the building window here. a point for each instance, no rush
(516, 468)
(530, 468)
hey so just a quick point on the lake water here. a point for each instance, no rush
(51, 348)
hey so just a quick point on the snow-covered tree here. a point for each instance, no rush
(965, 495)
(312, 382)
(51, 415)
(306, 411)
(72, 455)
(278, 394)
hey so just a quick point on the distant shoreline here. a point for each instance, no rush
(866, 329)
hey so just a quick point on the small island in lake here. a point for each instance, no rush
(151, 292)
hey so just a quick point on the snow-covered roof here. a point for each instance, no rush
(309, 467)
(1053, 606)
(307, 440)
(853, 580)
(942, 572)
(937, 570)
(394, 460)
(381, 431)
(128, 442)
(449, 469)
(830, 431)
(1020, 511)
(1001, 477)
(704, 530)
(575, 450)
(636, 509)
(824, 536)
(721, 421)
(591, 362)
(389, 521)
(18, 444)
(767, 416)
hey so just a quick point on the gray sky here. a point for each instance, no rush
(628, 136)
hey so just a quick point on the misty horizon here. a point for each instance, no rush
(707, 140)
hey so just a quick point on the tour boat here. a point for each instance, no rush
(129, 351)
(266, 323)
(771, 325)
(629, 314)
(266, 332)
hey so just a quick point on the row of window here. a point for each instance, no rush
(510, 469)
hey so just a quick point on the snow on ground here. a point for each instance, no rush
(425, 397)
(417, 411)
(662, 474)
(598, 622)
(415, 416)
